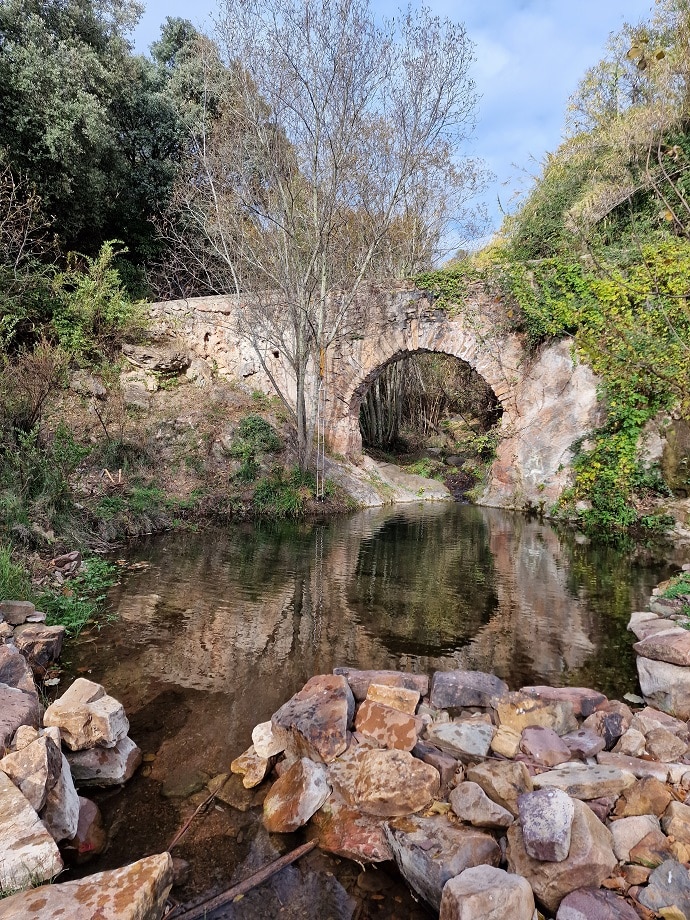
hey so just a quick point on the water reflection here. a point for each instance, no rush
(251, 612)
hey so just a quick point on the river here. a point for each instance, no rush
(213, 631)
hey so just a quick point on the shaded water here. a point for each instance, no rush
(224, 626)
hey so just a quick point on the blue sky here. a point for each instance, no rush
(530, 57)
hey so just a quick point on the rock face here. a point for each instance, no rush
(27, 851)
(430, 851)
(487, 892)
(462, 689)
(590, 859)
(295, 797)
(394, 783)
(87, 716)
(314, 723)
(135, 892)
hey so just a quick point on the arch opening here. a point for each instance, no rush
(433, 413)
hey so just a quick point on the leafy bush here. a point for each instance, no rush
(254, 436)
(94, 314)
(284, 493)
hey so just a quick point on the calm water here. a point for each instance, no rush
(222, 627)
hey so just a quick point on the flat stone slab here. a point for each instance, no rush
(16, 612)
(581, 781)
(636, 766)
(669, 885)
(359, 681)
(544, 746)
(521, 710)
(135, 892)
(27, 851)
(587, 904)
(584, 701)
(462, 689)
(396, 697)
(671, 645)
(465, 740)
(484, 891)
(105, 766)
(430, 851)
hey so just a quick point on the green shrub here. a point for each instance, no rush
(284, 493)
(81, 599)
(254, 436)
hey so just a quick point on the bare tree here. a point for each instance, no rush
(332, 159)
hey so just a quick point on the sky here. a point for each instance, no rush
(530, 56)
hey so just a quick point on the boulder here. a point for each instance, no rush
(467, 740)
(631, 743)
(394, 783)
(546, 818)
(315, 721)
(34, 770)
(520, 710)
(583, 700)
(635, 766)
(28, 854)
(471, 804)
(388, 727)
(446, 764)
(647, 796)
(264, 741)
(430, 851)
(401, 698)
(462, 689)
(609, 725)
(344, 830)
(503, 781)
(671, 645)
(295, 797)
(105, 766)
(16, 708)
(544, 746)
(87, 717)
(486, 892)
(590, 859)
(654, 849)
(665, 686)
(157, 359)
(506, 742)
(16, 612)
(135, 892)
(89, 838)
(61, 811)
(39, 644)
(15, 670)
(582, 781)
(588, 904)
(647, 719)
(664, 746)
(252, 768)
(359, 681)
(584, 743)
(627, 833)
(676, 821)
(668, 886)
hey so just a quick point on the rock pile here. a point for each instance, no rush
(491, 802)
(80, 741)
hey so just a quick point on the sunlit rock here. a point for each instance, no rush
(388, 727)
(546, 819)
(394, 783)
(471, 804)
(315, 721)
(27, 851)
(34, 770)
(295, 797)
(485, 891)
(502, 781)
(87, 716)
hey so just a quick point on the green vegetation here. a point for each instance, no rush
(79, 602)
(284, 494)
(254, 436)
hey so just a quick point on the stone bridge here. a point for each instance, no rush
(548, 400)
